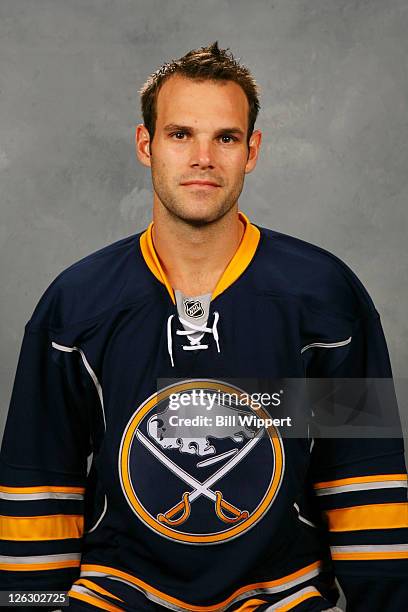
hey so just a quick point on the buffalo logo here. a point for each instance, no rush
(199, 473)
(193, 308)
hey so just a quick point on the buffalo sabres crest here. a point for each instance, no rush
(199, 483)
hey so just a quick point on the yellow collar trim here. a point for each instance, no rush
(239, 262)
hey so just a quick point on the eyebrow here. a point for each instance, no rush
(170, 127)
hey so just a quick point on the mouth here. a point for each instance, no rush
(201, 184)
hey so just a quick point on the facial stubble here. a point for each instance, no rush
(169, 198)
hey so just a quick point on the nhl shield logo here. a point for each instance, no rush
(193, 308)
(199, 484)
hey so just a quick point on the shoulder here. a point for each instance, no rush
(307, 272)
(92, 285)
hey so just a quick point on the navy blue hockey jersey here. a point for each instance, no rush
(225, 523)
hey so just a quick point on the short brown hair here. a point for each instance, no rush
(205, 63)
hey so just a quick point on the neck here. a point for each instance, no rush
(194, 258)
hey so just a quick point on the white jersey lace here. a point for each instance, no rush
(195, 342)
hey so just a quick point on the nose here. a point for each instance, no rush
(202, 155)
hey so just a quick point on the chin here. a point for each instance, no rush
(200, 214)
(200, 218)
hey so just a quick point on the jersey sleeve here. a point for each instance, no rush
(360, 483)
(43, 467)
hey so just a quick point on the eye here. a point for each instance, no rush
(231, 138)
(177, 134)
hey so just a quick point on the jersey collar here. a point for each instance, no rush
(239, 262)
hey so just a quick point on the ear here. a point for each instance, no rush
(142, 142)
(254, 147)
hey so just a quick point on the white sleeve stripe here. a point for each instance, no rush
(363, 486)
(291, 598)
(302, 518)
(71, 349)
(34, 559)
(366, 548)
(36, 496)
(326, 344)
(105, 506)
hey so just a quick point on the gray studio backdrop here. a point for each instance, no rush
(333, 166)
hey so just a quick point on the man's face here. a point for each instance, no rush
(200, 135)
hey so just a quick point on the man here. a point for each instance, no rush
(204, 520)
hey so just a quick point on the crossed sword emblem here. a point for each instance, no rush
(201, 488)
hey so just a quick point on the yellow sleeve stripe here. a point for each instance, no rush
(368, 556)
(34, 528)
(370, 516)
(37, 567)
(368, 552)
(43, 489)
(359, 479)
(95, 587)
(94, 601)
(251, 605)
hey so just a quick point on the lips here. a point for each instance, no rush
(201, 183)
